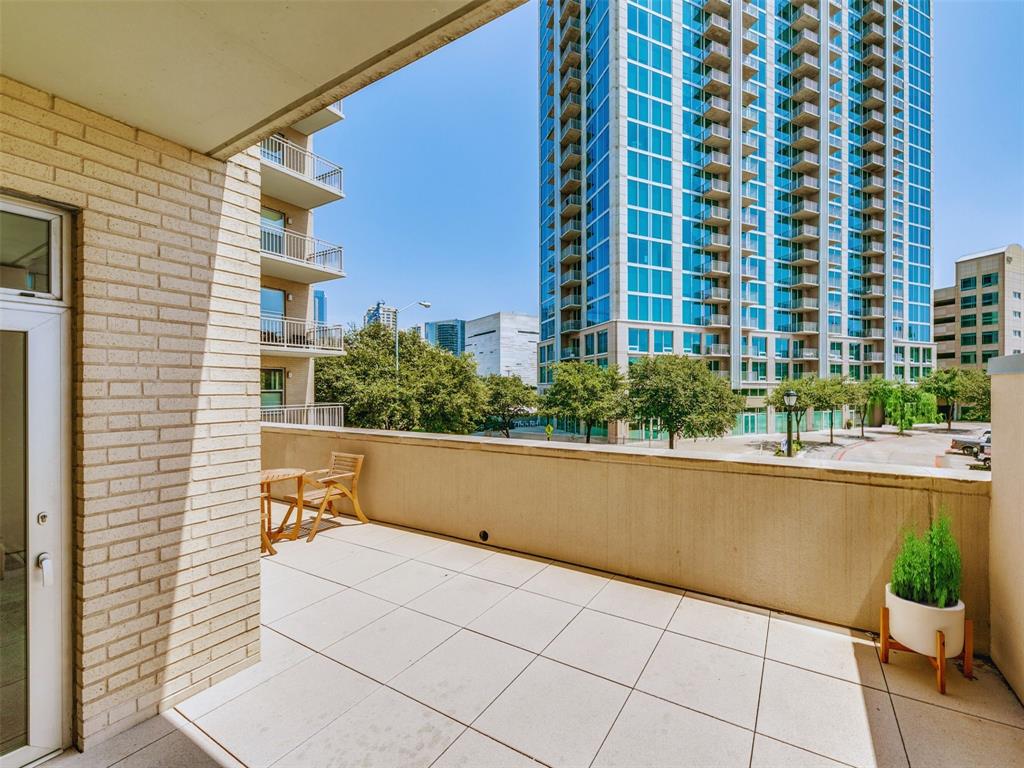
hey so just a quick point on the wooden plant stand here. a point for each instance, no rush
(938, 661)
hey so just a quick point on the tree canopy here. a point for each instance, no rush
(866, 393)
(684, 394)
(827, 395)
(587, 393)
(958, 386)
(508, 398)
(804, 388)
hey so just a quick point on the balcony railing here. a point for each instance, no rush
(296, 333)
(312, 415)
(301, 248)
(274, 149)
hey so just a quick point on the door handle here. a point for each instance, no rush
(45, 562)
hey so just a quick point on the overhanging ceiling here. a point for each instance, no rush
(217, 76)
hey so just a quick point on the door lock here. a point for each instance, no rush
(42, 517)
(45, 562)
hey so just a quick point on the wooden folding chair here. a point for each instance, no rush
(338, 481)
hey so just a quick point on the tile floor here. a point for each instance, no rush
(389, 647)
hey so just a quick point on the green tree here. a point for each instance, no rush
(684, 394)
(450, 397)
(976, 394)
(902, 404)
(864, 394)
(946, 384)
(803, 388)
(587, 393)
(829, 394)
(508, 399)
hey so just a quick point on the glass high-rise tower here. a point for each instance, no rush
(749, 182)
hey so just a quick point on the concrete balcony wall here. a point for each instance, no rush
(815, 541)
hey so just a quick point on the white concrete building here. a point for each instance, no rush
(505, 343)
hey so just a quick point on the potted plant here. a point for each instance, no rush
(923, 611)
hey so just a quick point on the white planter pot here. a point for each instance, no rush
(914, 624)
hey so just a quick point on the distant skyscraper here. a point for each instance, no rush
(446, 334)
(504, 343)
(748, 182)
(379, 313)
(319, 306)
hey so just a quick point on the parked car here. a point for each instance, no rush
(970, 446)
(985, 454)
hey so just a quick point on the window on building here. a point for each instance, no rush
(992, 278)
(968, 302)
(990, 299)
(602, 343)
(990, 337)
(1017, 295)
(271, 386)
(990, 318)
(968, 358)
(988, 354)
(968, 283)
(968, 321)
(588, 344)
(968, 340)
(781, 371)
(663, 342)
(271, 302)
(272, 230)
(639, 340)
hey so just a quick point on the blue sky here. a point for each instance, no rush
(441, 165)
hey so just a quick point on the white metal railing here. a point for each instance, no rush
(302, 248)
(313, 414)
(282, 152)
(295, 333)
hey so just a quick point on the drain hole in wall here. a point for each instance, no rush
(484, 535)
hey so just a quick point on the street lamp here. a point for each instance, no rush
(789, 398)
(425, 305)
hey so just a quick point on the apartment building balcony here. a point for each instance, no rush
(874, 312)
(806, 65)
(806, 88)
(749, 145)
(569, 8)
(806, 138)
(749, 118)
(571, 180)
(873, 98)
(716, 215)
(717, 55)
(873, 248)
(571, 157)
(714, 295)
(874, 227)
(749, 93)
(572, 300)
(297, 337)
(749, 169)
(805, 304)
(717, 28)
(874, 77)
(716, 162)
(876, 291)
(571, 130)
(806, 185)
(571, 254)
(721, 7)
(749, 271)
(571, 205)
(570, 353)
(748, 192)
(873, 269)
(716, 83)
(717, 109)
(570, 31)
(874, 333)
(309, 415)
(748, 296)
(570, 278)
(873, 55)
(571, 326)
(872, 12)
(715, 321)
(571, 229)
(716, 268)
(749, 221)
(803, 257)
(571, 106)
(805, 209)
(716, 136)
(874, 162)
(326, 117)
(806, 161)
(749, 66)
(874, 357)
(805, 280)
(571, 56)
(805, 353)
(874, 141)
(873, 33)
(805, 326)
(715, 189)
(806, 42)
(714, 241)
(299, 258)
(298, 176)
(570, 80)
(805, 233)
(749, 41)
(806, 113)
(716, 350)
(749, 13)
(874, 184)
(807, 17)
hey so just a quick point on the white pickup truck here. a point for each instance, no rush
(972, 445)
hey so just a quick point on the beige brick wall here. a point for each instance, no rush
(166, 395)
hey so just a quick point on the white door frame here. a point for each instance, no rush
(46, 321)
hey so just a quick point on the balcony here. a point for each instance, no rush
(874, 312)
(873, 248)
(874, 162)
(749, 66)
(873, 55)
(805, 353)
(806, 65)
(717, 28)
(570, 31)
(806, 138)
(571, 131)
(298, 176)
(749, 93)
(805, 280)
(716, 136)
(715, 189)
(748, 192)
(806, 185)
(570, 80)
(805, 209)
(749, 169)
(716, 216)
(806, 114)
(570, 353)
(875, 291)
(873, 98)
(571, 253)
(326, 117)
(807, 17)
(874, 205)
(805, 89)
(716, 350)
(717, 55)
(571, 229)
(806, 161)
(874, 184)
(717, 109)
(571, 277)
(716, 268)
(571, 106)
(715, 295)
(750, 117)
(874, 34)
(715, 321)
(749, 145)
(299, 258)
(721, 7)
(750, 41)
(805, 327)
(874, 227)
(716, 162)
(806, 42)
(716, 83)
(571, 180)
(312, 415)
(749, 12)
(749, 271)
(571, 326)
(571, 56)
(714, 242)
(572, 300)
(874, 77)
(873, 11)
(569, 8)
(571, 157)
(802, 257)
(571, 205)
(805, 304)
(296, 337)
(874, 141)
(805, 233)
